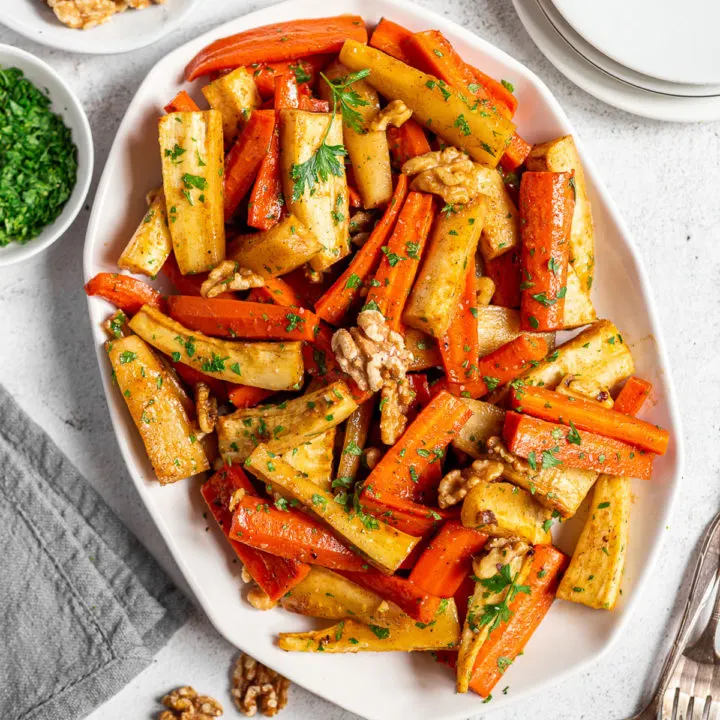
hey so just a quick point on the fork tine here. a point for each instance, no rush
(676, 702)
(690, 708)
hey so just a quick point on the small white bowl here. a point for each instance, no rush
(124, 31)
(65, 104)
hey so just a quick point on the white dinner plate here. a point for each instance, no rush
(559, 50)
(394, 685)
(667, 39)
(125, 31)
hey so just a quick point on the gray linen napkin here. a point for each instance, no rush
(83, 606)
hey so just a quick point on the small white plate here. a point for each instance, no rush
(594, 80)
(666, 39)
(125, 31)
(386, 686)
(65, 104)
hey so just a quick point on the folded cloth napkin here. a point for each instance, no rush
(83, 606)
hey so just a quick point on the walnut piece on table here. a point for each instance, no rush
(87, 14)
(449, 173)
(228, 276)
(185, 703)
(257, 687)
(458, 483)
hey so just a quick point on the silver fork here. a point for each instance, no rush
(706, 570)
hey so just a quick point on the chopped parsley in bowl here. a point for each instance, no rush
(38, 159)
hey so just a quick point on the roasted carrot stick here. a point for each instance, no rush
(460, 348)
(407, 518)
(414, 601)
(266, 199)
(334, 304)
(245, 396)
(242, 319)
(406, 142)
(276, 291)
(515, 153)
(182, 102)
(504, 271)
(243, 160)
(391, 39)
(124, 292)
(191, 377)
(547, 201)
(305, 70)
(546, 445)
(354, 197)
(591, 416)
(278, 42)
(505, 364)
(447, 559)
(421, 388)
(505, 101)
(401, 258)
(423, 443)
(633, 396)
(507, 641)
(291, 534)
(275, 575)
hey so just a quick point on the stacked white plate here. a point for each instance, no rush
(655, 58)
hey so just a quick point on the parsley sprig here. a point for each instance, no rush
(496, 613)
(348, 99)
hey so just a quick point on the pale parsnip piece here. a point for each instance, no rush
(325, 210)
(473, 126)
(500, 325)
(269, 365)
(157, 411)
(561, 155)
(501, 231)
(276, 251)
(504, 510)
(350, 636)
(151, 244)
(234, 96)
(314, 458)
(385, 547)
(486, 421)
(368, 151)
(424, 349)
(579, 308)
(283, 427)
(434, 298)
(191, 148)
(595, 571)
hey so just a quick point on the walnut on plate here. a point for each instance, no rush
(257, 687)
(449, 173)
(185, 703)
(87, 14)
(228, 276)
(457, 483)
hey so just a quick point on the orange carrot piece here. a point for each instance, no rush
(243, 160)
(242, 319)
(421, 388)
(290, 534)
(267, 204)
(401, 258)
(185, 284)
(354, 197)
(335, 303)
(504, 271)
(423, 443)
(505, 101)
(591, 416)
(515, 153)
(246, 396)
(527, 612)
(391, 39)
(547, 201)
(305, 70)
(124, 292)
(182, 102)
(276, 291)
(504, 364)
(460, 348)
(191, 377)
(275, 575)
(546, 445)
(407, 519)
(406, 142)
(278, 42)
(447, 560)
(633, 396)
(420, 605)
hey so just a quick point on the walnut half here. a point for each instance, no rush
(395, 113)
(458, 483)
(184, 703)
(448, 173)
(228, 276)
(258, 687)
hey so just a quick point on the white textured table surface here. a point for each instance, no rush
(665, 179)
